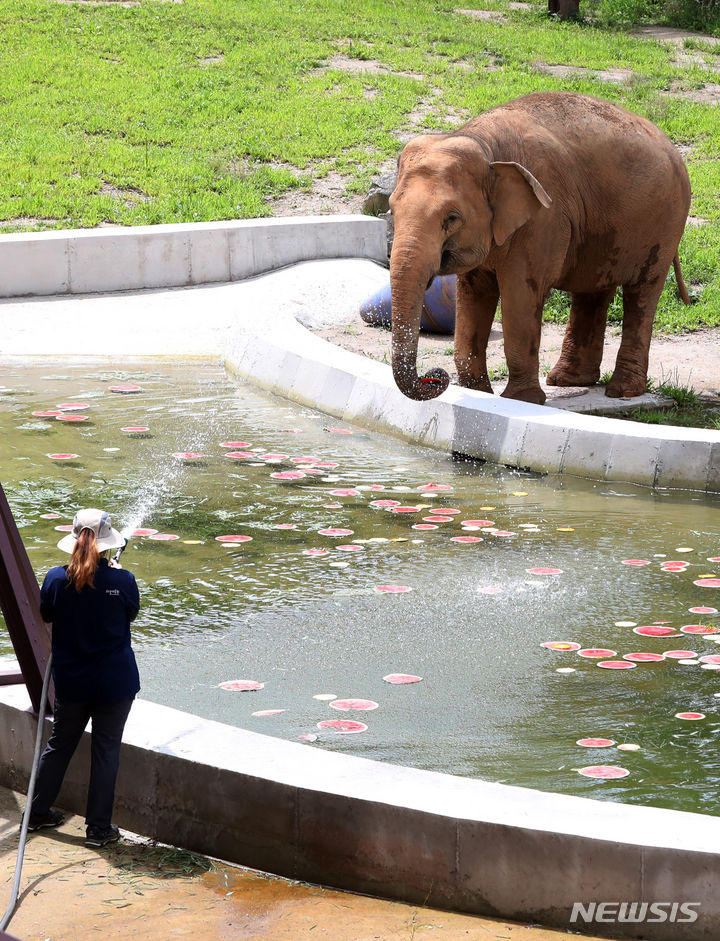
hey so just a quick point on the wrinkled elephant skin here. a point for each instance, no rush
(552, 190)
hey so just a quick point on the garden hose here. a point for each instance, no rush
(31, 790)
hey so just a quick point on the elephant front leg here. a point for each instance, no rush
(582, 349)
(631, 365)
(476, 302)
(521, 319)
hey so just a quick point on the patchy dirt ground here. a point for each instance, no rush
(691, 360)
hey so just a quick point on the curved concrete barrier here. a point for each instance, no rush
(253, 326)
(397, 832)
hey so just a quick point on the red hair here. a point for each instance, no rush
(84, 562)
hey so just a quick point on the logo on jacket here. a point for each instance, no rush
(112, 591)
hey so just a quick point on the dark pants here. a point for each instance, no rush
(70, 720)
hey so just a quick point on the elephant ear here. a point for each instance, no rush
(516, 196)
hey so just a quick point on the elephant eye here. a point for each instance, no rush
(451, 218)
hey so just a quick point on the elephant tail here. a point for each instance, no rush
(682, 290)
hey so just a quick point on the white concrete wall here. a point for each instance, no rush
(402, 833)
(84, 261)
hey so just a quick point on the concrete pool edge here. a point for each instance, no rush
(387, 830)
(278, 353)
(284, 357)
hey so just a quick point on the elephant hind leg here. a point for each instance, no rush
(582, 349)
(631, 366)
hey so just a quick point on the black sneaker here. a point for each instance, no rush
(53, 818)
(100, 836)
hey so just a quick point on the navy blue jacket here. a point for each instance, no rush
(92, 657)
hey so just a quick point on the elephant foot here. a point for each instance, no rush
(479, 385)
(562, 375)
(624, 385)
(531, 393)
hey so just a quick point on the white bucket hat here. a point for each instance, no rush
(99, 522)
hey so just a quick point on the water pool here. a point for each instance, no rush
(550, 565)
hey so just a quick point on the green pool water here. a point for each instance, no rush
(491, 703)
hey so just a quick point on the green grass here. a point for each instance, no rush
(688, 408)
(210, 109)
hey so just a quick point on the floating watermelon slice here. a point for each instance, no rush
(616, 665)
(242, 686)
(641, 657)
(335, 532)
(360, 705)
(144, 532)
(342, 726)
(596, 653)
(401, 679)
(690, 716)
(635, 562)
(125, 389)
(62, 456)
(544, 571)
(288, 475)
(392, 589)
(595, 742)
(654, 630)
(604, 772)
(233, 539)
(235, 444)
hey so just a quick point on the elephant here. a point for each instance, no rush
(550, 190)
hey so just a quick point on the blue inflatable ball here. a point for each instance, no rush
(438, 313)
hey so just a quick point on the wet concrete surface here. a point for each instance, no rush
(137, 889)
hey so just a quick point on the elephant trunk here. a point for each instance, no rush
(412, 267)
